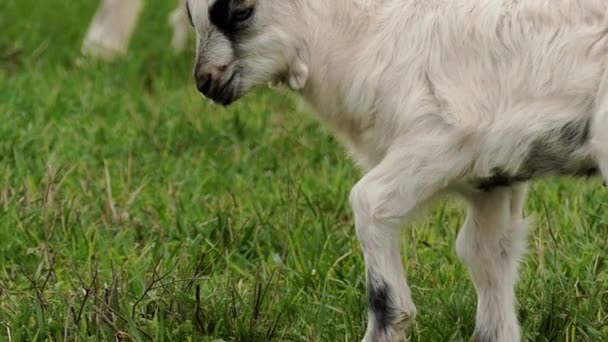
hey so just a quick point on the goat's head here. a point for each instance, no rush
(242, 44)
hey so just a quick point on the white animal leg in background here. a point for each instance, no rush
(112, 27)
(382, 201)
(178, 19)
(491, 243)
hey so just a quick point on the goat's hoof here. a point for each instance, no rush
(387, 335)
(395, 331)
(506, 334)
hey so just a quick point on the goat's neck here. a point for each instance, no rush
(336, 50)
(333, 36)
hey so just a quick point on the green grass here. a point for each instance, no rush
(132, 209)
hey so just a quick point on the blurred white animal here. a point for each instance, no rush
(113, 25)
(475, 97)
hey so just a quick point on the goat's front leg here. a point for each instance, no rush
(382, 201)
(491, 243)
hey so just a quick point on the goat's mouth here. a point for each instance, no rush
(226, 92)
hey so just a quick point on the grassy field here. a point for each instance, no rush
(131, 209)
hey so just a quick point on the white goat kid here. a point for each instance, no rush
(469, 96)
(114, 23)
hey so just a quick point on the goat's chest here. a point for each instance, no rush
(365, 141)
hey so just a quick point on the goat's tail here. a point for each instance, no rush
(599, 126)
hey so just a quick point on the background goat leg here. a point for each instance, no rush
(178, 19)
(112, 28)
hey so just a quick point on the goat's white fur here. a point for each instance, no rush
(490, 243)
(431, 96)
(114, 23)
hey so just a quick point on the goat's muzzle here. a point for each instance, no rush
(219, 84)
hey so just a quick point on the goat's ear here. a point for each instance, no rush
(298, 75)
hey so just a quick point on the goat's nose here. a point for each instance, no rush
(206, 78)
(203, 82)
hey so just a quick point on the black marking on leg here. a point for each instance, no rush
(379, 301)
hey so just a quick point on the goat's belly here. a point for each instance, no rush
(561, 153)
(502, 179)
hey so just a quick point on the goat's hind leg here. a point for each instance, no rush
(491, 243)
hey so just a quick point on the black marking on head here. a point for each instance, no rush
(222, 16)
(379, 302)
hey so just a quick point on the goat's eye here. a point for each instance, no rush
(242, 14)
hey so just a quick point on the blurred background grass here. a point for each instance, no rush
(131, 209)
